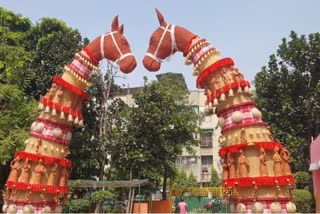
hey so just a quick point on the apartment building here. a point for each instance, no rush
(206, 156)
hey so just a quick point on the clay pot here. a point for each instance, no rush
(275, 207)
(12, 209)
(46, 209)
(4, 208)
(237, 117)
(28, 209)
(291, 207)
(256, 113)
(257, 207)
(241, 208)
(58, 209)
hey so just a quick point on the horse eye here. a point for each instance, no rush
(151, 41)
(124, 42)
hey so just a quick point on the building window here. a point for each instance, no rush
(206, 139)
(186, 160)
(206, 161)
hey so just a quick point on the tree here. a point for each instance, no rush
(154, 131)
(100, 112)
(192, 180)
(16, 115)
(53, 45)
(287, 92)
(14, 58)
(215, 181)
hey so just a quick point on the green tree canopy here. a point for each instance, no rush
(154, 131)
(287, 92)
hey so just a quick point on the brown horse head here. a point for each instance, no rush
(113, 46)
(164, 42)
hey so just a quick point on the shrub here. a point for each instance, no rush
(302, 200)
(80, 206)
(215, 180)
(100, 196)
(301, 179)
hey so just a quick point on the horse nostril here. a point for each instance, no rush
(150, 64)
(128, 64)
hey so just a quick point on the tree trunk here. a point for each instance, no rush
(164, 185)
(129, 196)
(101, 174)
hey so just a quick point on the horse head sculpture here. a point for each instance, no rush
(113, 46)
(164, 42)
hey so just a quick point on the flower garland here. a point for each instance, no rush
(199, 44)
(86, 61)
(259, 181)
(91, 55)
(225, 89)
(84, 95)
(235, 148)
(264, 199)
(77, 76)
(46, 133)
(230, 108)
(46, 159)
(213, 68)
(23, 202)
(244, 125)
(63, 126)
(61, 108)
(187, 47)
(37, 187)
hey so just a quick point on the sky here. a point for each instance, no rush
(247, 31)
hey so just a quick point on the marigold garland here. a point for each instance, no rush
(212, 68)
(225, 89)
(47, 159)
(60, 108)
(259, 181)
(235, 148)
(37, 187)
(84, 95)
(262, 199)
(91, 55)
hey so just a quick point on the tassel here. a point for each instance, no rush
(47, 109)
(239, 90)
(54, 112)
(81, 125)
(70, 118)
(76, 121)
(222, 97)
(215, 102)
(231, 94)
(62, 115)
(40, 107)
(246, 89)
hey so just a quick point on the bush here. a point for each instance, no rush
(302, 200)
(79, 206)
(100, 196)
(302, 179)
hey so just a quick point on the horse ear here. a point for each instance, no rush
(162, 22)
(115, 24)
(121, 29)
